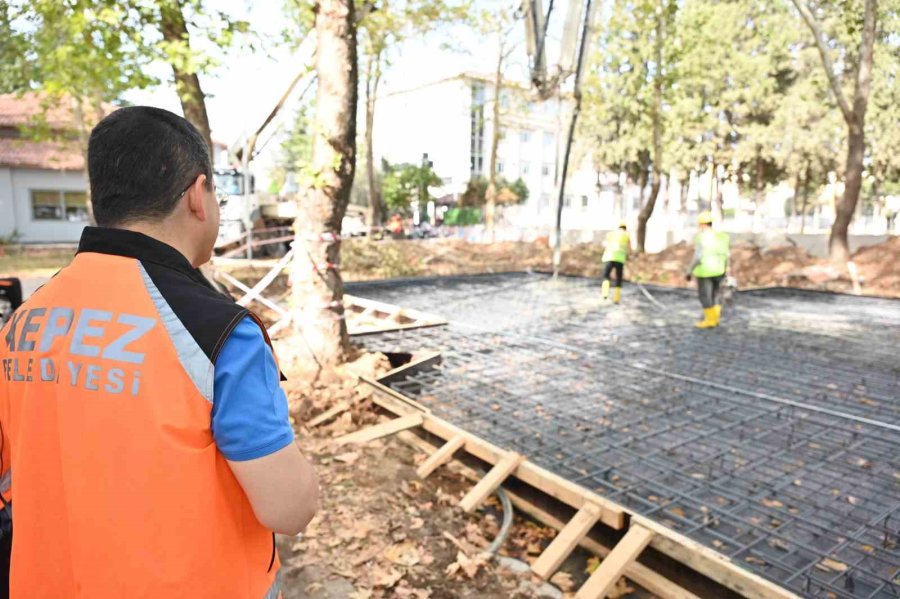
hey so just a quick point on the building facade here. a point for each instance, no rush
(43, 186)
(451, 121)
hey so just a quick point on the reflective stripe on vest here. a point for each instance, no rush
(714, 248)
(616, 247)
(106, 404)
(274, 591)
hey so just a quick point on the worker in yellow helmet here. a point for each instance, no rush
(710, 264)
(615, 253)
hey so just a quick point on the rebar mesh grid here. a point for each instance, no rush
(773, 440)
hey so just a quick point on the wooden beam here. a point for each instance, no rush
(639, 573)
(490, 482)
(328, 414)
(567, 539)
(383, 430)
(614, 565)
(441, 456)
(539, 478)
(701, 558)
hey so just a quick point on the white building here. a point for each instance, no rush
(450, 120)
(42, 183)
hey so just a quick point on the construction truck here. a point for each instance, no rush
(251, 220)
(10, 297)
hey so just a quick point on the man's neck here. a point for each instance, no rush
(165, 233)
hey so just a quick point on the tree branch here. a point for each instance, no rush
(826, 59)
(866, 49)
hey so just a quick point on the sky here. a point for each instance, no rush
(244, 88)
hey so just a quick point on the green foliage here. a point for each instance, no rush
(95, 50)
(461, 217)
(508, 192)
(743, 86)
(404, 183)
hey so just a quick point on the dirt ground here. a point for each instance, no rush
(381, 532)
(879, 265)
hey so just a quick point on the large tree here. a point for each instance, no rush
(317, 285)
(855, 67)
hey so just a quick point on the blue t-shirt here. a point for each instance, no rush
(250, 411)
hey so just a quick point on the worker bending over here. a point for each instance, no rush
(710, 264)
(146, 446)
(615, 253)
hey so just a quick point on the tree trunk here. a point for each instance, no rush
(684, 186)
(373, 77)
(647, 208)
(838, 244)
(797, 180)
(805, 198)
(187, 84)
(758, 192)
(490, 195)
(720, 204)
(317, 286)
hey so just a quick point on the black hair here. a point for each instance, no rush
(140, 160)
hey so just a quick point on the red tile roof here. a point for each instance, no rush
(16, 110)
(50, 155)
(22, 110)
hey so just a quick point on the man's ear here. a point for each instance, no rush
(196, 198)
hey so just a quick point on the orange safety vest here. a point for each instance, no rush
(117, 487)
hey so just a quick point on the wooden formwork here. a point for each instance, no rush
(591, 508)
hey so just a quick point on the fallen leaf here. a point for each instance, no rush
(403, 554)
(368, 554)
(348, 574)
(385, 578)
(563, 580)
(592, 564)
(853, 500)
(677, 511)
(863, 463)
(347, 458)
(312, 588)
(621, 589)
(360, 594)
(416, 524)
(832, 565)
(752, 559)
(769, 502)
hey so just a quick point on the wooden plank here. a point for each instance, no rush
(567, 539)
(441, 456)
(328, 414)
(703, 559)
(614, 565)
(493, 479)
(382, 430)
(551, 484)
(639, 573)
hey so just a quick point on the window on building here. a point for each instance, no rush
(447, 181)
(525, 168)
(545, 200)
(549, 138)
(546, 169)
(567, 201)
(499, 167)
(59, 205)
(476, 137)
(525, 136)
(584, 201)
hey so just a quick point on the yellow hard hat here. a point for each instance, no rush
(705, 218)
(623, 224)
